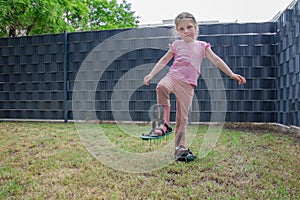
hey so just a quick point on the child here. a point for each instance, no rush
(182, 77)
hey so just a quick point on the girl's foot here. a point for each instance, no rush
(162, 129)
(183, 154)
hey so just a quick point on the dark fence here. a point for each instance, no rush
(98, 75)
(288, 66)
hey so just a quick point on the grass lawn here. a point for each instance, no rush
(49, 161)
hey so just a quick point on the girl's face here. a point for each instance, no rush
(187, 30)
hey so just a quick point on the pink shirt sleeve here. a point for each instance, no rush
(173, 47)
(205, 45)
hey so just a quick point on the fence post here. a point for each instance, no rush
(65, 77)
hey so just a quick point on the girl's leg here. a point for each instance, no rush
(163, 90)
(184, 97)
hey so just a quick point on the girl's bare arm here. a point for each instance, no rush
(217, 61)
(159, 66)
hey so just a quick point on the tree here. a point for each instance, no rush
(108, 15)
(30, 17)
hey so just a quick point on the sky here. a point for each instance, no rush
(154, 11)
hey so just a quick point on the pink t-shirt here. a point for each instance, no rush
(187, 60)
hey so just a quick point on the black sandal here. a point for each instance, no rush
(153, 135)
(183, 154)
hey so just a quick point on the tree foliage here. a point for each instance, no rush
(30, 17)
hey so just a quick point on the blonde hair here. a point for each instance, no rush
(185, 16)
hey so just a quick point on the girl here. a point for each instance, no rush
(182, 77)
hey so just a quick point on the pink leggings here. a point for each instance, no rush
(184, 93)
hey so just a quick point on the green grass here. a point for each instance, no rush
(49, 161)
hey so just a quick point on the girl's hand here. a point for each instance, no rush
(147, 79)
(239, 78)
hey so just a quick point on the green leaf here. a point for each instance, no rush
(30, 17)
